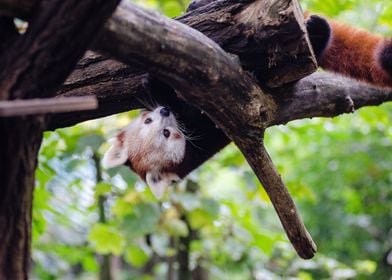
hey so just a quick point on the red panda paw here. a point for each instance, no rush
(385, 57)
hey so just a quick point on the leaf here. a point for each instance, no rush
(136, 256)
(93, 141)
(142, 220)
(121, 208)
(176, 227)
(105, 239)
(188, 201)
(102, 189)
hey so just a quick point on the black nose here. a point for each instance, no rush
(165, 112)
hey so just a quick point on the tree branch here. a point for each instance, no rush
(325, 94)
(118, 88)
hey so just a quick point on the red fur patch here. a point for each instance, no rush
(355, 53)
(121, 138)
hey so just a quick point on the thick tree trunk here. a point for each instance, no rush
(19, 148)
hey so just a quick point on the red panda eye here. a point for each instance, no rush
(166, 133)
(148, 120)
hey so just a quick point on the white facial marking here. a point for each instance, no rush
(158, 182)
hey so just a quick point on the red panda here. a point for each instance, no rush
(151, 145)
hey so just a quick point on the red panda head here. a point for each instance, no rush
(152, 144)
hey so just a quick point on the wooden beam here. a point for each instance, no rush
(11, 108)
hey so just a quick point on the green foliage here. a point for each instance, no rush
(105, 239)
(338, 171)
(374, 15)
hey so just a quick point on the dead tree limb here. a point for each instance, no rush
(118, 86)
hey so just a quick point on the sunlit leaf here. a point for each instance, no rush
(106, 239)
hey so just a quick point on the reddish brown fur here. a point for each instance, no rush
(121, 138)
(138, 160)
(141, 167)
(355, 52)
(139, 163)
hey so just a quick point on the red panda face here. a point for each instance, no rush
(159, 137)
(153, 144)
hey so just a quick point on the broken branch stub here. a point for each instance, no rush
(269, 36)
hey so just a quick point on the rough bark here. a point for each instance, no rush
(269, 36)
(18, 156)
(278, 55)
(119, 88)
(325, 94)
(19, 8)
(8, 32)
(34, 66)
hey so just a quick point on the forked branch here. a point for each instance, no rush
(238, 106)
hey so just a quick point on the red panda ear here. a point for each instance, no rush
(117, 153)
(159, 182)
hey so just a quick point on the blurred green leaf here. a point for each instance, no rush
(136, 256)
(106, 239)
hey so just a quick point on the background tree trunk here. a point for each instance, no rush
(19, 148)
